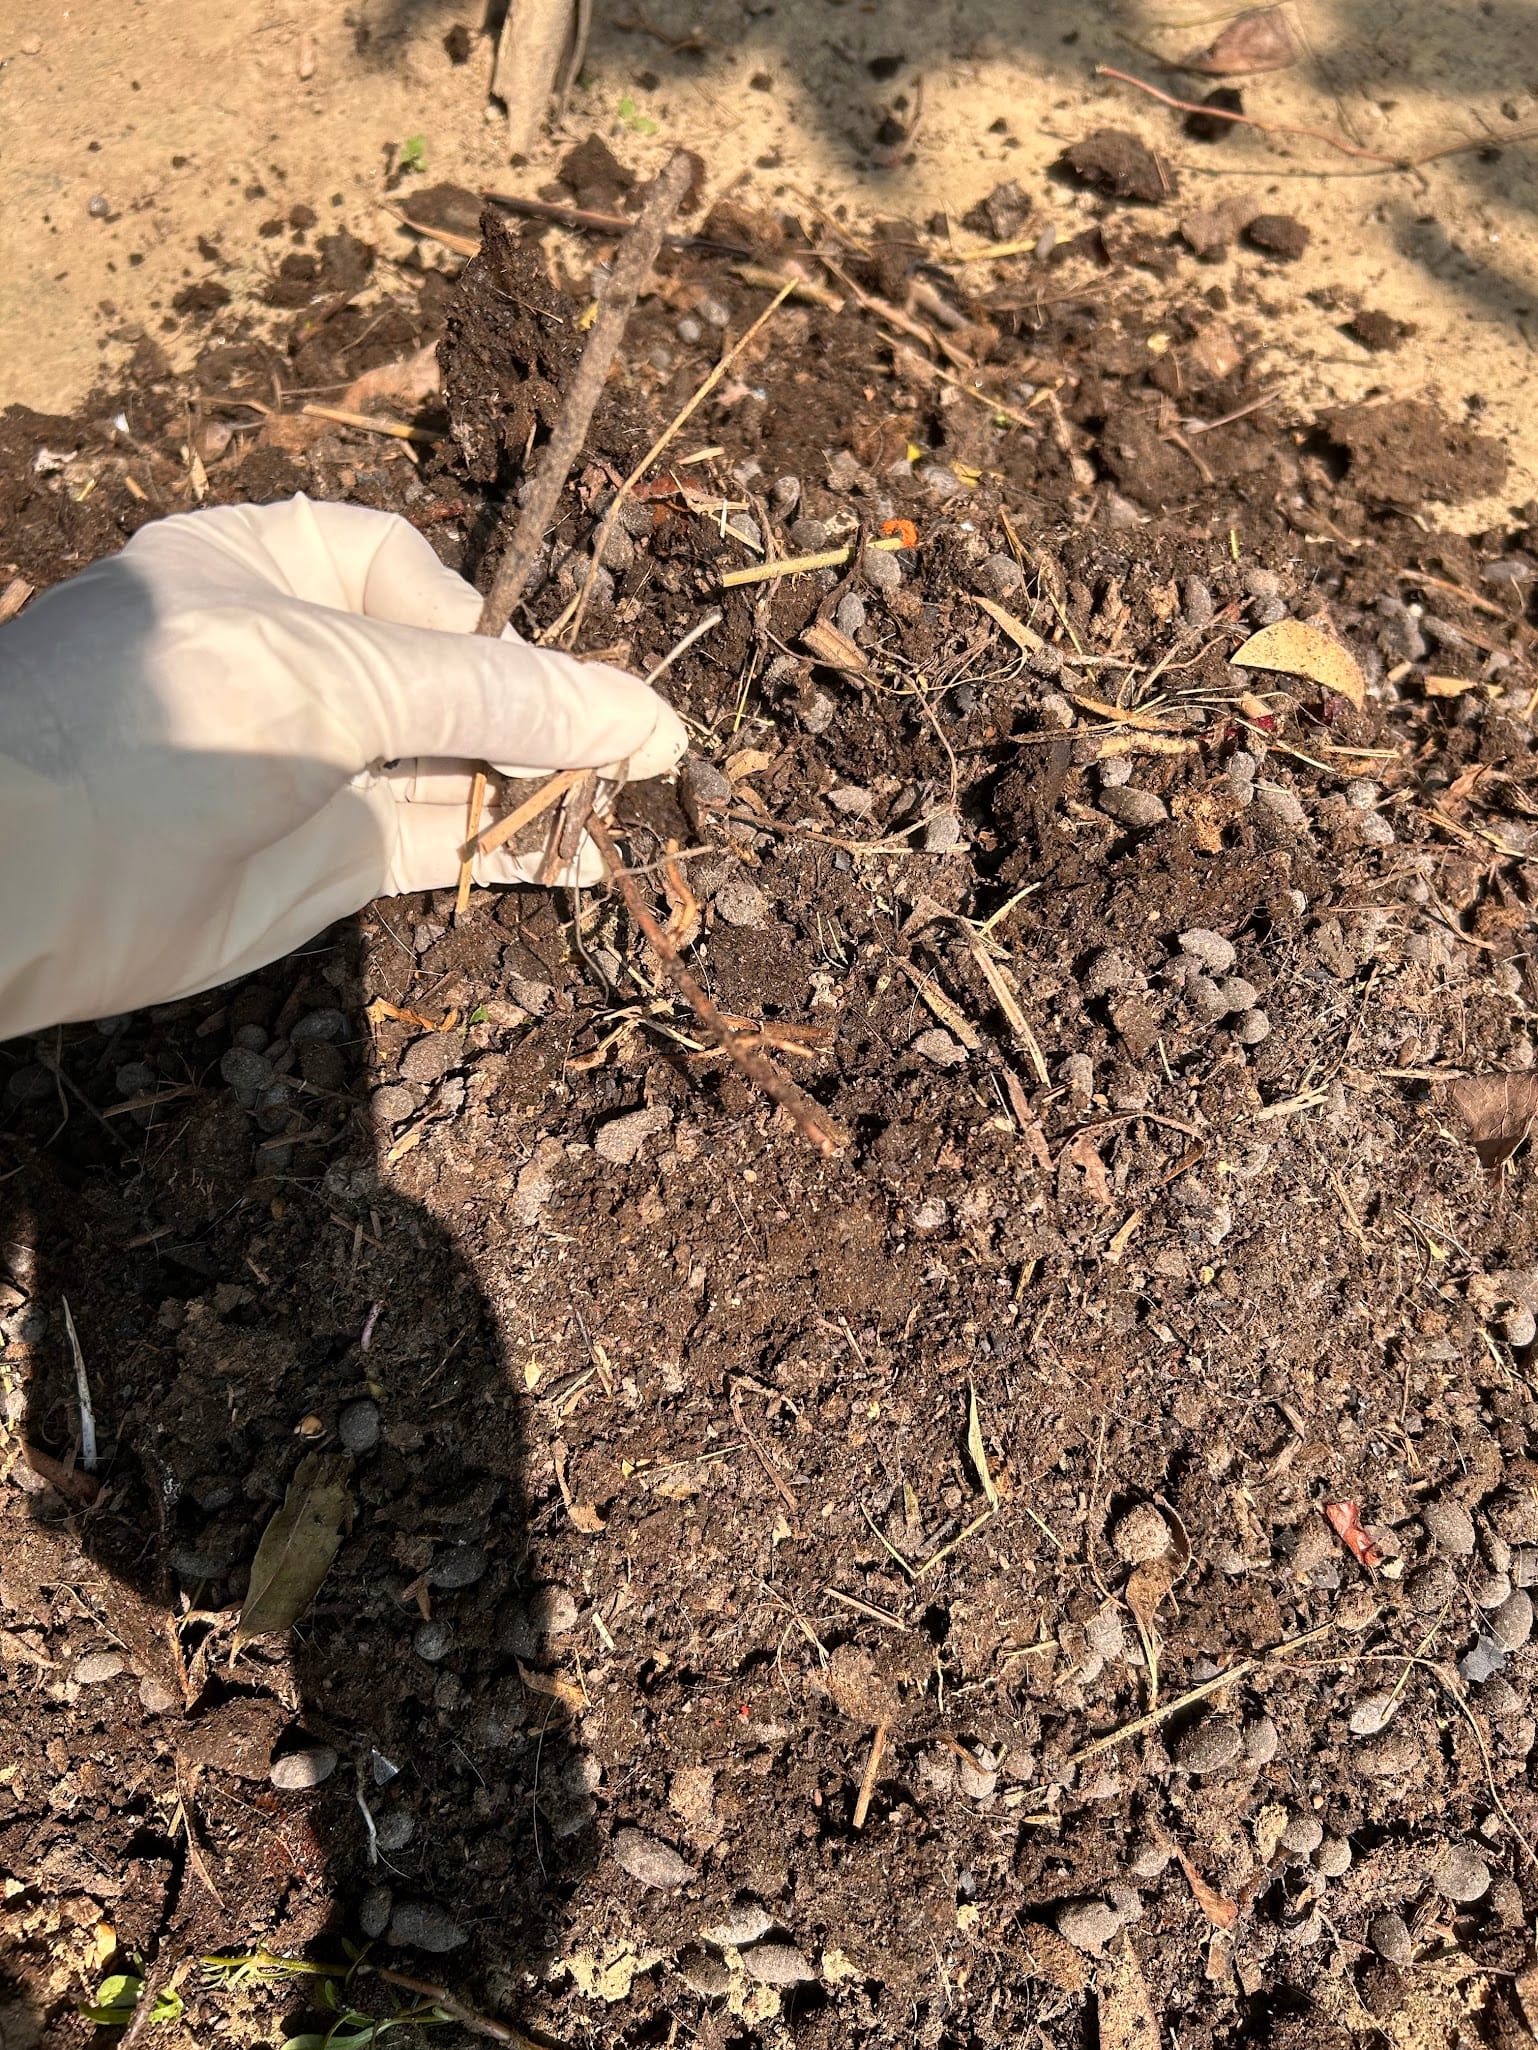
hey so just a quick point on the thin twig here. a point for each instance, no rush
(872, 1767)
(809, 1118)
(467, 852)
(794, 565)
(467, 2017)
(1390, 161)
(606, 526)
(371, 423)
(700, 628)
(524, 814)
(577, 217)
(632, 267)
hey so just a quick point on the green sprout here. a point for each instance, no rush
(413, 154)
(352, 2028)
(637, 122)
(118, 1997)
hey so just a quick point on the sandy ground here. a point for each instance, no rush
(186, 122)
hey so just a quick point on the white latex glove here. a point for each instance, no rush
(193, 737)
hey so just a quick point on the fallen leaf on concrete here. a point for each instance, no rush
(1258, 40)
(1499, 1112)
(1127, 2018)
(297, 1547)
(1297, 649)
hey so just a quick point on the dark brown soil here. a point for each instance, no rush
(673, 1449)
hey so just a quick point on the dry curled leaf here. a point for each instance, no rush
(1258, 40)
(1346, 1522)
(1127, 2018)
(1221, 1913)
(1083, 1152)
(567, 1692)
(1297, 649)
(1499, 1112)
(975, 1450)
(1025, 638)
(297, 1547)
(1150, 1581)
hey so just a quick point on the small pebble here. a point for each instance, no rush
(432, 1640)
(1524, 1566)
(1138, 809)
(852, 799)
(622, 1138)
(975, 1778)
(1238, 994)
(816, 715)
(740, 902)
(688, 329)
(1283, 804)
(1360, 795)
(940, 482)
(358, 1426)
(1088, 1925)
(29, 46)
(1390, 1938)
(704, 1974)
(1450, 1527)
(420, 1926)
(553, 1612)
(325, 1024)
(297, 1770)
(1209, 948)
(393, 1103)
(743, 1923)
(1482, 1661)
(777, 1964)
(849, 614)
(650, 1861)
(1519, 1327)
(1490, 1590)
(97, 1667)
(939, 1047)
(462, 1567)
(1140, 1534)
(98, 206)
(1000, 576)
(1210, 1745)
(1148, 1859)
(1261, 583)
(1077, 1075)
(1303, 1834)
(1115, 772)
(785, 496)
(1373, 1712)
(430, 1058)
(809, 537)
(1199, 606)
(1461, 1875)
(1252, 1027)
(1262, 1740)
(942, 833)
(1333, 1857)
(1243, 767)
(245, 1072)
(374, 1911)
(156, 1698)
(931, 1215)
(395, 1829)
(1512, 1623)
(1268, 611)
(1376, 830)
(1206, 998)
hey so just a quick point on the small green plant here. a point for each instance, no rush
(117, 2000)
(637, 122)
(413, 154)
(352, 2028)
(478, 1016)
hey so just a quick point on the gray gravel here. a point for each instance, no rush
(622, 1138)
(743, 1923)
(778, 1964)
(1461, 1875)
(1088, 1925)
(1138, 809)
(740, 902)
(1210, 1745)
(1210, 949)
(374, 1911)
(650, 1861)
(98, 1667)
(1450, 1527)
(462, 1567)
(432, 1640)
(1512, 1623)
(939, 1047)
(703, 1974)
(421, 1926)
(1390, 1938)
(297, 1770)
(358, 1426)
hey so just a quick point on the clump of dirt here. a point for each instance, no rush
(755, 1608)
(1406, 450)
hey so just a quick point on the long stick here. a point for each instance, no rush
(637, 254)
(810, 1119)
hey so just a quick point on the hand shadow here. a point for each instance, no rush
(202, 1185)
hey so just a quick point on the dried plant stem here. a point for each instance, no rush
(1389, 160)
(467, 2017)
(809, 1118)
(877, 1752)
(467, 852)
(601, 539)
(632, 266)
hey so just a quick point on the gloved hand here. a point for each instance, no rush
(194, 737)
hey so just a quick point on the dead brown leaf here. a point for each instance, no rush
(1258, 40)
(1221, 1913)
(1083, 1152)
(297, 1547)
(1050, 1956)
(1295, 648)
(1127, 2018)
(1499, 1112)
(583, 1514)
(567, 1692)
(1147, 1587)
(412, 379)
